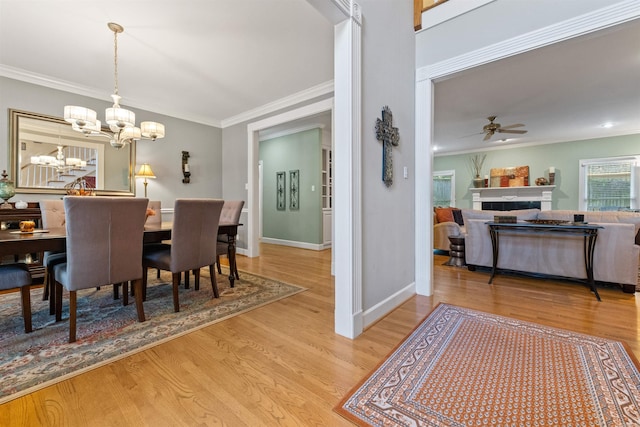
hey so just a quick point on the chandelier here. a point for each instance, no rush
(122, 122)
(59, 162)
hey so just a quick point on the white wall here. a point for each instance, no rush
(388, 64)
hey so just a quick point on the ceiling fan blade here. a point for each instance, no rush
(488, 136)
(518, 125)
(511, 131)
(473, 134)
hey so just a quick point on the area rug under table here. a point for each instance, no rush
(462, 367)
(108, 331)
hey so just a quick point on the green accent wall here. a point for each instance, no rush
(565, 157)
(299, 151)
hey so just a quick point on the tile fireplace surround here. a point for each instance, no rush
(541, 193)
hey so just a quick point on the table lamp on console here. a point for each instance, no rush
(145, 172)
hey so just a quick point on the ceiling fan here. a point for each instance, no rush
(492, 128)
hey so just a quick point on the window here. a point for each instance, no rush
(444, 188)
(608, 184)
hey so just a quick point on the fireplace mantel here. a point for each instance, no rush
(538, 193)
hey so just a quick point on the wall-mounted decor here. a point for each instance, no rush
(281, 179)
(186, 170)
(517, 176)
(389, 136)
(294, 186)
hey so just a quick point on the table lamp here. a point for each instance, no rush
(145, 172)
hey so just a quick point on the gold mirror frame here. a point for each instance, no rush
(113, 169)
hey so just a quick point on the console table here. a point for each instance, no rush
(10, 218)
(588, 232)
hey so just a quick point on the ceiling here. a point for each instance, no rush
(562, 92)
(202, 60)
(211, 61)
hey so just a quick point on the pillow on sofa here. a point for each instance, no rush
(457, 217)
(444, 214)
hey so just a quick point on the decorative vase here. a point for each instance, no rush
(7, 191)
(478, 182)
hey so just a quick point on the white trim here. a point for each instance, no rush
(608, 16)
(425, 77)
(347, 161)
(532, 193)
(325, 88)
(582, 177)
(322, 89)
(424, 193)
(449, 10)
(63, 85)
(294, 244)
(253, 215)
(291, 131)
(387, 305)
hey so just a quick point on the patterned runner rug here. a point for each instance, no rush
(107, 331)
(462, 367)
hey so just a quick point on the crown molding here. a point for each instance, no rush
(286, 102)
(63, 85)
(291, 131)
(599, 19)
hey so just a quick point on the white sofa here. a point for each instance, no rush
(616, 255)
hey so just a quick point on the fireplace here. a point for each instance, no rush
(510, 206)
(510, 198)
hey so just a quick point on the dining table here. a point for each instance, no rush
(16, 242)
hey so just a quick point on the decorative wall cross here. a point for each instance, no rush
(390, 137)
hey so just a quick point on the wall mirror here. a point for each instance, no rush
(47, 155)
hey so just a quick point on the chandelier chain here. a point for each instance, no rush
(115, 61)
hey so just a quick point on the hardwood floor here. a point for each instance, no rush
(282, 364)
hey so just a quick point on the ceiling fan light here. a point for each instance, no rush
(79, 116)
(152, 130)
(120, 117)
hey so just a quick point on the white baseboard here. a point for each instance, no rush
(377, 312)
(302, 245)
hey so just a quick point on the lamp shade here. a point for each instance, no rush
(79, 116)
(152, 130)
(145, 171)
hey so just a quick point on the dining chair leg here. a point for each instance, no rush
(214, 282)
(116, 291)
(25, 293)
(125, 293)
(144, 283)
(50, 284)
(137, 285)
(72, 316)
(218, 263)
(58, 300)
(196, 279)
(186, 279)
(176, 283)
(45, 288)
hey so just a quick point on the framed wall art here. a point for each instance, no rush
(294, 186)
(281, 195)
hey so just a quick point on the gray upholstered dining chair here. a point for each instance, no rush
(104, 246)
(193, 244)
(14, 276)
(53, 216)
(231, 211)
